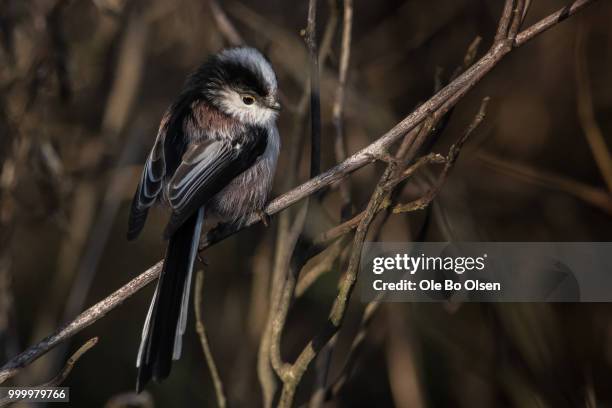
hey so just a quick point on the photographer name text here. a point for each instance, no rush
(471, 285)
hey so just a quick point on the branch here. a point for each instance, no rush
(310, 36)
(586, 113)
(325, 265)
(82, 321)
(444, 99)
(356, 345)
(58, 379)
(338, 108)
(550, 21)
(504, 21)
(452, 157)
(224, 25)
(62, 375)
(201, 330)
(292, 253)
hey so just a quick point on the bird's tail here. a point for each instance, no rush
(167, 316)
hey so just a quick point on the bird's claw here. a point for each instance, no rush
(201, 259)
(385, 157)
(265, 218)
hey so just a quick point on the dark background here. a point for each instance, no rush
(83, 87)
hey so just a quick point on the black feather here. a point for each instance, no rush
(157, 358)
(216, 73)
(199, 184)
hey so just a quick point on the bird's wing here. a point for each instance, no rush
(206, 168)
(151, 183)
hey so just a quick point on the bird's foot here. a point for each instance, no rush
(384, 156)
(203, 261)
(265, 218)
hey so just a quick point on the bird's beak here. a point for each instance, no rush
(275, 106)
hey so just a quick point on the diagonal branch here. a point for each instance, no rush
(201, 330)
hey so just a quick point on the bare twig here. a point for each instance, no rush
(130, 399)
(340, 150)
(443, 100)
(552, 20)
(338, 108)
(224, 25)
(128, 76)
(322, 365)
(323, 266)
(58, 379)
(596, 197)
(586, 114)
(310, 36)
(450, 161)
(504, 21)
(83, 320)
(356, 345)
(201, 330)
(63, 374)
(517, 18)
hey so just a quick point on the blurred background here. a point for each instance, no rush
(83, 85)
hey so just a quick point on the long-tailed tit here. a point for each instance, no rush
(215, 155)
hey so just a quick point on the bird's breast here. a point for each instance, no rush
(249, 191)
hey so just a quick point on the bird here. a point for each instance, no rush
(214, 158)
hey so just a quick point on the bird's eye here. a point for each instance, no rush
(248, 100)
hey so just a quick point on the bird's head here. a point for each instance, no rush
(241, 83)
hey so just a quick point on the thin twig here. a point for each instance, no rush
(504, 21)
(586, 114)
(338, 108)
(517, 19)
(201, 330)
(350, 361)
(225, 26)
(322, 267)
(58, 379)
(131, 399)
(340, 151)
(550, 21)
(310, 36)
(64, 373)
(452, 157)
